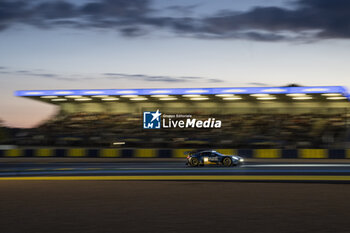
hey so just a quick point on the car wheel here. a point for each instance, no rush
(194, 162)
(227, 162)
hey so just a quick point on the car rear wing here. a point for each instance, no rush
(189, 152)
(192, 152)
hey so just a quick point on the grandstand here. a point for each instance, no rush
(252, 117)
(226, 100)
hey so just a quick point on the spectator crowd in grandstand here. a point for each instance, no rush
(237, 131)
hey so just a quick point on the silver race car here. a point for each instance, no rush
(201, 158)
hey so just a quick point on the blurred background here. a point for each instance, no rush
(52, 45)
(279, 121)
(74, 156)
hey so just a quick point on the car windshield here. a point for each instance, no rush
(217, 153)
(209, 153)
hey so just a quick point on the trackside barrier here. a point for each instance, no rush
(173, 153)
(267, 153)
(109, 153)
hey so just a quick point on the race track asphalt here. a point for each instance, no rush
(177, 170)
(173, 206)
(79, 196)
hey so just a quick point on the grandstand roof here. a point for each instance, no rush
(170, 94)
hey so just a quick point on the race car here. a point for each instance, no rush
(201, 158)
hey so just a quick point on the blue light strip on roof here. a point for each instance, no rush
(184, 91)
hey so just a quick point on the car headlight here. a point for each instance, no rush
(241, 160)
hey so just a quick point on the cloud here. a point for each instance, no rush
(182, 10)
(150, 78)
(302, 20)
(50, 13)
(318, 19)
(31, 73)
(77, 77)
(35, 74)
(259, 84)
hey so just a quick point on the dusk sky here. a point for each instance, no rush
(47, 44)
